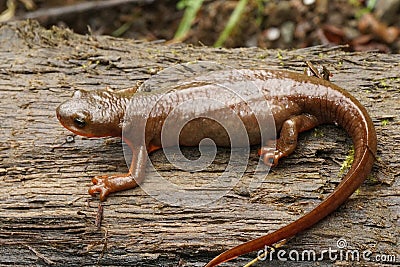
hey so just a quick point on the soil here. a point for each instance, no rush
(362, 25)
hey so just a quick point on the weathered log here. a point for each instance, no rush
(47, 217)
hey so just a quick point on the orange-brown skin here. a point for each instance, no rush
(298, 103)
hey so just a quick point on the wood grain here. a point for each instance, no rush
(47, 217)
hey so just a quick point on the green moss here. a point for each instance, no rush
(373, 179)
(384, 122)
(383, 84)
(279, 55)
(386, 83)
(347, 162)
(318, 133)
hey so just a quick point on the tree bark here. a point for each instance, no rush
(47, 217)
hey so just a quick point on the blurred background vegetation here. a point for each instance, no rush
(360, 24)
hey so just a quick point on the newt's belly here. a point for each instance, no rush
(241, 125)
(237, 133)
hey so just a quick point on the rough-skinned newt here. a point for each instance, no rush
(297, 103)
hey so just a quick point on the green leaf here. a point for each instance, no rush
(233, 20)
(191, 9)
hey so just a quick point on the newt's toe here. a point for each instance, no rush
(270, 156)
(99, 179)
(100, 186)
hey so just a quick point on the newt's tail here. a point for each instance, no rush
(337, 106)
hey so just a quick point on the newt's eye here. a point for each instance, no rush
(79, 122)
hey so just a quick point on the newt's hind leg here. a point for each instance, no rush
(287, 141)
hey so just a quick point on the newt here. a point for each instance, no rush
(297, 102)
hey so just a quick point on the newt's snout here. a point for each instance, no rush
(73, 118)
(88, 114)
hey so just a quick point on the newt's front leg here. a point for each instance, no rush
(109, 184)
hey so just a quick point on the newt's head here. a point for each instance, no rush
(93, 113)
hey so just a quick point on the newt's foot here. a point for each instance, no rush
(270, 155)
(101, 184)
(108, 184)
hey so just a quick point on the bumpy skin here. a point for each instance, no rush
(297, 102)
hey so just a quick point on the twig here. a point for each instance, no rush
(41, 256)
(103, 251)
(78, 8)
(99, 216)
